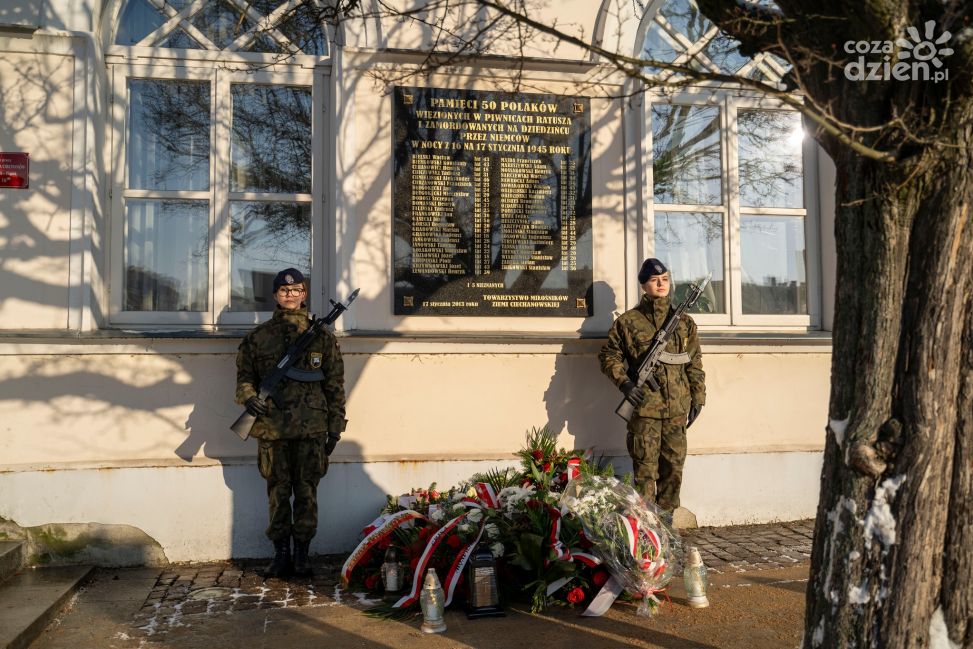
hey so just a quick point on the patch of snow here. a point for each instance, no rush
(938, 633)
(883, 580)
(837, 527)
(880, 523)
(859, 594)
(153, 623)
(818, 636)
(838, 428)
(854, 555)
(121, 635)
(175, 619)
(365, 601)
(337, 594)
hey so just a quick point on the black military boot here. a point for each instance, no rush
(281, 565)
(302, 562)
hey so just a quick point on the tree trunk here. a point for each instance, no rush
(893, 544)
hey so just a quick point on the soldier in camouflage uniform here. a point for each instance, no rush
(297, 434)
(657, 432)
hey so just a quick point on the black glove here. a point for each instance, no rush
(256, 406)
(331, 443)
(694, 411)
(633, 394)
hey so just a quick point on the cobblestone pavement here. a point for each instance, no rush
(214, 588)
(752, 547)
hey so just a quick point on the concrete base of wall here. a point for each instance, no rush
(214, 512)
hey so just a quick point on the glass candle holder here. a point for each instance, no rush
(695, 579)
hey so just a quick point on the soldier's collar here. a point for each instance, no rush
(282, 314)
(653, 303)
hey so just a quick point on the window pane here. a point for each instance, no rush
(221, 23)
(168, 144)
(725, 53)
(771, 158)
(138, 20)
(772, 261)
(270, 147)
(304, 30)
(266, 44)
(179, 39)
(690, 244)
(657, 47)
(166, 255)
(685, 17)
(266, 237)
(686, 154)
(301, 26)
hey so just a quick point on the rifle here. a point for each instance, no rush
(651, 360)
(268, 386)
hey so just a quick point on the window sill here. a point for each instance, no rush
(224, 340)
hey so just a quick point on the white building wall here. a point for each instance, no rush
(112, 428)
(136, 433)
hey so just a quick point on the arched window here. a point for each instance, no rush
(215, 138)
(728, 179)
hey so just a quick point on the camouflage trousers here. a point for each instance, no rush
(292, 466)
(658, 450)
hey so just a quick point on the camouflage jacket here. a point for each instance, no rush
(629, 339)
(306, 409)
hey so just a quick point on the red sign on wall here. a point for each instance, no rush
(14, 170)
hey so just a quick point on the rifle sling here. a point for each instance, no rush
(304, 376)
(674, 359)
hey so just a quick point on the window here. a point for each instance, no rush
(215, 144)
(728, 183)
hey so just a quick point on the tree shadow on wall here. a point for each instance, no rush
(579, 399)
(344, 494)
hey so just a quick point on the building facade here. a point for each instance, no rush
(182, 152)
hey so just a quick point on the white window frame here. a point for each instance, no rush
(810, 214)
(729, 103)
(121, 74)
(220, 69)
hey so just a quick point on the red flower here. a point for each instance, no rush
(599, 578)
(538, 455)
(454, 541)
(583, 540)
(576, 596)
(371, 582)
(434, 495)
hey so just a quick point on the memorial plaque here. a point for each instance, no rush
(491, 203)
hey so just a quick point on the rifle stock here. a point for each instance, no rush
(243, 424)
(625, 410)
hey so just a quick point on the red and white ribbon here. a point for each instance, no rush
(431, 546)
(561, 553)
(456, 570)
(375, 532)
